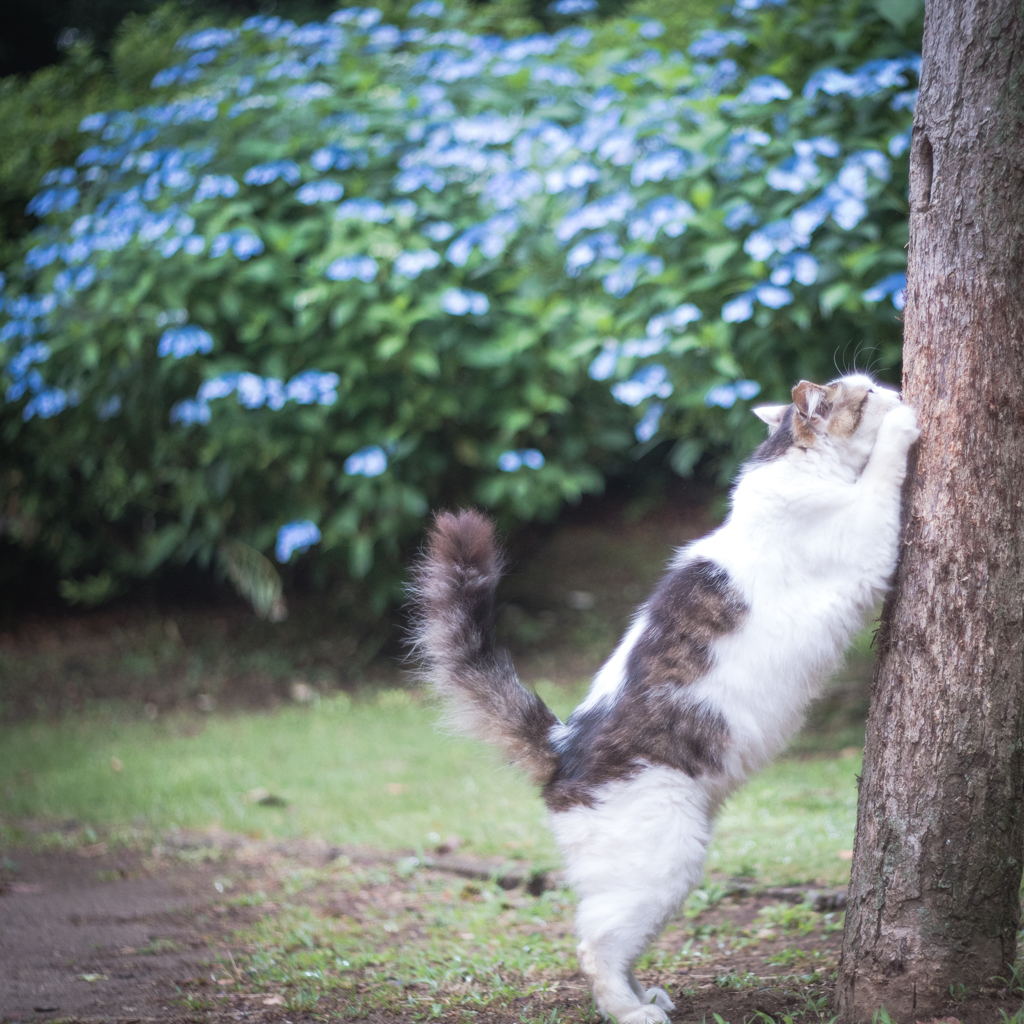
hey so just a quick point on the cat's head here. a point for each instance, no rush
(840, 418)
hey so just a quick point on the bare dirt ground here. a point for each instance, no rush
(91, 935)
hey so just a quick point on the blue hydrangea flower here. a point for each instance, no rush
(418, 177)
(336, 157)
(491, 237)
(677, 319)
(31, 381)
(251, 390)
(53, 200)
(190, 411)
(571, 7)
(368, 461)
(661, 165)
(894, 287)
(439, 231)
(740, 215)
(412, 264)
(737, 310)
(574, 176)
(347, 268)
(42, 256)
(643, 347)
(772, 296)
(217, 387)
(369, 210)
(48, 403)
(59, 176)
(666, 213)
(783, 236)
(84, 278)
(254, 392)
(38, 352)
(108, 408)
(602, 245)
(739, 156)
(904, 100)
(603, 365)
(206, 38)
(181, 342)
(800, 267)
(645, 383)
(299, 536)
(764, 89)
(556, 74)
(244, 244)
(712, 42)
(313, 387)
(725, 395)
(649, 423)
(899, 144)
(264, 174)
(597, 214)
(869, 79)
(325, 191)
(621, 281)
(309, 92)
(530, 458)
(427, 9)
(213, 185)
(460, 301)
(92, 123)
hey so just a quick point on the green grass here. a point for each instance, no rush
(446, 943)
(359, 940)
(377, 771)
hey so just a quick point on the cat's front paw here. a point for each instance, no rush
(899, 429)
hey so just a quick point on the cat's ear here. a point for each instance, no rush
(811, 401)
(770, 414)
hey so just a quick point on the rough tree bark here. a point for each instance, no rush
(937, 862)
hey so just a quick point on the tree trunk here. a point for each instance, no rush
(933, 901)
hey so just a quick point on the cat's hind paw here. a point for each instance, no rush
(658, 997)
(646, 1014)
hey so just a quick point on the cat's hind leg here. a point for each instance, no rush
(632, 857)
(612, 936)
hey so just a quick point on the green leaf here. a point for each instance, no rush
(684, 456)
(899, 13)
(91, 591)
(255, 579)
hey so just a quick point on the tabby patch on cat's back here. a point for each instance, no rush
(654, 720)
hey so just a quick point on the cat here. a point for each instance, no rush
(709, 682)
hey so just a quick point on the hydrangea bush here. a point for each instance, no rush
(336, 274)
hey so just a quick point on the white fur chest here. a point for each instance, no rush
(807, 583)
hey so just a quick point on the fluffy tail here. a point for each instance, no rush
(453, 588)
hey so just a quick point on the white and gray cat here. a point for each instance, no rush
(711, 680)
